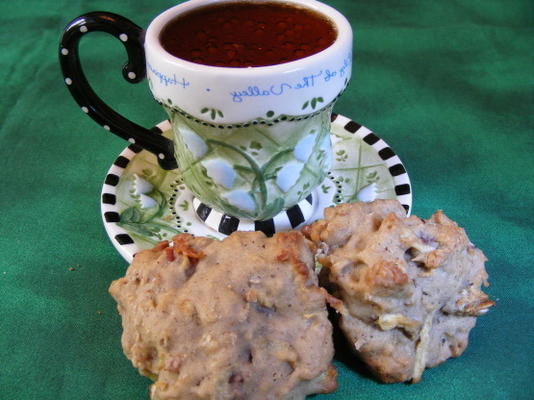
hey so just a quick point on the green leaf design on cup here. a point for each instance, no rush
(259, 177)
(256, 145)
(275, 207)
(213, 112)
(313, 103)
(256, 150)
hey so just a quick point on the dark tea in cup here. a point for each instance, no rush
(247, 34)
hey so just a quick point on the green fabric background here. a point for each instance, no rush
(448, 84)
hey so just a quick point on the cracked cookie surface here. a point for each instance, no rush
(241, 318)
(410, 289)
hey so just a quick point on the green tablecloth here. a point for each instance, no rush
(448, 84)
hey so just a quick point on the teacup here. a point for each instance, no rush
(248, 141)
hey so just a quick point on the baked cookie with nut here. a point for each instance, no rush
(409, 290)
(242, 318)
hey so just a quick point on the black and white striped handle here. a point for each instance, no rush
(134, 71)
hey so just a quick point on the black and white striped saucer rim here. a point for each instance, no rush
(284, 221)
(120, 238)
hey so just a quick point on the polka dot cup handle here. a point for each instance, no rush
(134, 71)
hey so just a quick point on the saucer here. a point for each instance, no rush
(143, 204)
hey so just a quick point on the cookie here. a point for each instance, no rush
(241, 318)
(409, 290)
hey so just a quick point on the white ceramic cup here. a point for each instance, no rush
(249, 142)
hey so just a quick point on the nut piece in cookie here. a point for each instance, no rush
(410, 289)
(241, 318)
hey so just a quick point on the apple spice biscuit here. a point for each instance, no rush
(241, 318)
(410, 289)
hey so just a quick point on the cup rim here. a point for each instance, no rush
(342, 25)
